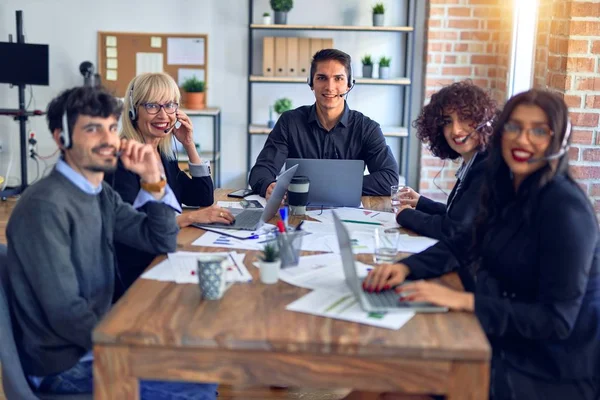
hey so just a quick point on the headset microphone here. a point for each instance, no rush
(171, 127)
(564, 146)
(464, 140)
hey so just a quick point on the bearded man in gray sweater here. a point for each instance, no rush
(61, 239)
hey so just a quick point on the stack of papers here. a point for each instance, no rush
(345, 306)
(180, 267)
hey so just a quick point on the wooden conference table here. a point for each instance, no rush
(165, 331)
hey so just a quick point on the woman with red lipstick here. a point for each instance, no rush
(456, 124)
(535, 249)
(152, 115)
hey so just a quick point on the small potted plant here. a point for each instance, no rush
(384, 67)
(193, 93)
(271, 122)
(367, 68)
(282, 105)
(378, 13)
(266, 18)
(269, 263)
(281, 8)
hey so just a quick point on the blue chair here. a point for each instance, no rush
(14, 382)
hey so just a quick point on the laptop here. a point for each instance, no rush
(385, 301)
(250, 219)
(333, 183)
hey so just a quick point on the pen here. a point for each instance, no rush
(361, 222)
(281, 226)
(283, 212)
(235, 263)
(299, 226)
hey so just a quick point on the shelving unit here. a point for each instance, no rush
(400, 133)
(215, 155)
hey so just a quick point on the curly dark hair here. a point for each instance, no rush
(470, 103)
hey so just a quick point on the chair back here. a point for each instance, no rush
(13, 380)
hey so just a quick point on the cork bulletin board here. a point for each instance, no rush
(122, 56)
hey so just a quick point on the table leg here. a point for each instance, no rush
(112, 374)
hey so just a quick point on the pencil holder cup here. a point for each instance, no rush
(289, 244)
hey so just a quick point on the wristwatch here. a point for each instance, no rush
(155, 187)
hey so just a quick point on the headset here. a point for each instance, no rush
(132, 111)
(564, 146)
(65, 134)
(351, 81)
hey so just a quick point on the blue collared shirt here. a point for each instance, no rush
(85, 186)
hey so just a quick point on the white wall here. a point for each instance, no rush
(70, 28)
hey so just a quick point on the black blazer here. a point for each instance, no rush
(537, 293)
(431, 219)
(189, 191)
(132, 262)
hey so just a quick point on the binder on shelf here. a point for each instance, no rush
(292, 56)
(268, 56)
(327, 43)
(315, 45)
(304, 56)
(281, 56)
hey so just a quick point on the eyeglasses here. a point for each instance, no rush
(154, 108)
(538, 135)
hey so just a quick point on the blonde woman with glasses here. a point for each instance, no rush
(152, 116)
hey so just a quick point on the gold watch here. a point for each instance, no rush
(155, 187)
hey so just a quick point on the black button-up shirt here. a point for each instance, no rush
(299, 134)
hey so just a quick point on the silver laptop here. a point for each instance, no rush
(250, 219)
(333, 183)
(385, 301)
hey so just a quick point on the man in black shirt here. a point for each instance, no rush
(327, 129)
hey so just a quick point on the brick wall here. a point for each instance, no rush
(467, 39)
(568, 61)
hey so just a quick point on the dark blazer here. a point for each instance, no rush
(431, 219)
(189, 191)
(537, 293)
(132, 262)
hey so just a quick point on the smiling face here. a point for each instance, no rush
(329, 82)
(153, 119)
(460, 134)
(94, 143)
(525, 140)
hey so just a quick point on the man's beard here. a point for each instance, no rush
(107, 168)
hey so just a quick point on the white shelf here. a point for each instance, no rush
(349, 28)
(205, 111)
(302, 79)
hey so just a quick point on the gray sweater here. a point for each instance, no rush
(62, 265)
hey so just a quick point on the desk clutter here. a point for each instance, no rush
(323, 274)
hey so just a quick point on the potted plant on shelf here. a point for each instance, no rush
(378, 13)
(193, 93)
(282, 105)
(281, 8)
(266, 18)
(384, 67)
(269, 263)
(367, 66)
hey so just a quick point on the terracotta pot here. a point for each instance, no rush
(194, 101)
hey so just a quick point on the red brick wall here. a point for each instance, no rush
(573, 69)
(467, 39)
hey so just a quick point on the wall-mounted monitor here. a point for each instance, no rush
(24, 63)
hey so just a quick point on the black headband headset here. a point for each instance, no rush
(351, 81)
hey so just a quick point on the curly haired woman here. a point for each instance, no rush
(457, 123)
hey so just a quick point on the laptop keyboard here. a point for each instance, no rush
(247, 219)
(388, 298)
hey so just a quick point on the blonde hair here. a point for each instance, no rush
(147, 88)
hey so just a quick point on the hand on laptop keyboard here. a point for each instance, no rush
(385, 277)
(209, 215)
